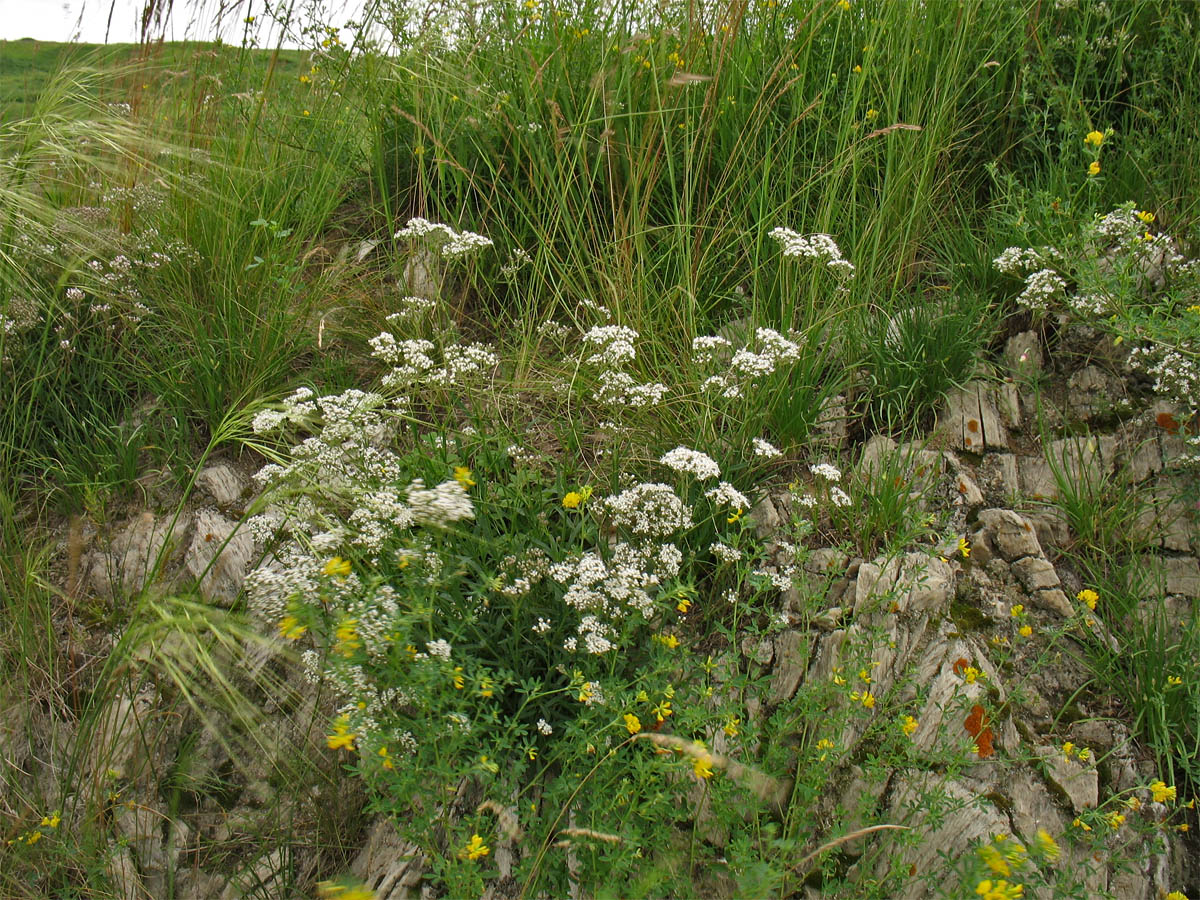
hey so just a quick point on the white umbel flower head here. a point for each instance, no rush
(691, 462)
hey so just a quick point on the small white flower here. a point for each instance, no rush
(765, 450)
(691, 462)
(439, 648)
(544, 727)
(829, 472)
(839, 497)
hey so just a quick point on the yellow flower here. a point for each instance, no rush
(52, 820)
(994, 860)
(910, 725)
(683, 605)
(1094, 167)
(1194, 308)
(1079, 823)
(1177, 895)
(667, 640)
(1095, 138)
(1115, 820)
(856, 69)
(386, 757)
(1174, 681)
(1068, 748)
(972, 674)
(1162, 793)
(459, 681)
(1025, 630)
(1088, 596)
(572, 500)
(731, 726)
(843, 5)
(871, 114)
(347, 638)
(531, 752)
(336, 566)
(733, 517)
(487, 765)
(1018, 610)
(290, 628)
(331, 890)
(632, 723)
(864, 675)
(866, 698)
(485, 687)
(342, 738)
(1146, 217)
(702, 766)
(475, 848)
(964, 548)
(1048, 845)
(463, 476)
(999, 890)
(662, 710)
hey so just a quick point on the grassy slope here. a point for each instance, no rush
(27, 65)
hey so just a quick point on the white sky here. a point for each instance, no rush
(90, 20)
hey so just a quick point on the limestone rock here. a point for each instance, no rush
(875, 454)
(220, 555)
(1092, 392)
(123, 742)
(123, 874)
(1178, 574)
(266, 877)
(758, 650)
(968, 491)
(792, 651)
(1035, 573)
(1013, 536)
(999, 478)
(826, 561)
(965, 821)
(971, 422)
(1023, 352)
(222, 482)
(1053, 600)
(1078, 783)
(1036, 478)
(390, 866)
(128, 565)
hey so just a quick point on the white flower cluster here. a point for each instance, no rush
(765, 449)
(517, 260)
(724, 552)
(1176, 375)
(725, 494)
(706, 348)
(649, 510)
(747, 366)
(691, 462)
(606, 591)
(611, 346)
(1042, 288)
(828, 471)
(820, 247)
(411, 308)
(1018, 261)
(412, 363)
(454, 243)
(440, 506)
(614, 345)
